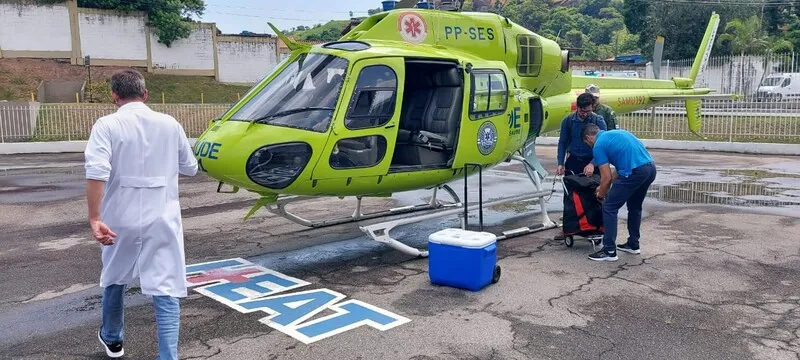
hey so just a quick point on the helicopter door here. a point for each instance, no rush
(365, 130)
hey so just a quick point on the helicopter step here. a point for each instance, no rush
(380, 231)
(279, 208)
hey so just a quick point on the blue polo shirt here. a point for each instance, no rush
(621, 149)
(572, 141)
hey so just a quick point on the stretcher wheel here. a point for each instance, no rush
(496, 276)
(569, 241)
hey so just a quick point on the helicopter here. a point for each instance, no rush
(412, 99)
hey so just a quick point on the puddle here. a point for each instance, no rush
(726, 193)
(760, 174)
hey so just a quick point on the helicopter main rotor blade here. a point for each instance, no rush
(406, 4)
(658, 51)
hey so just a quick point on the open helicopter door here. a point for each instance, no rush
(362, 142)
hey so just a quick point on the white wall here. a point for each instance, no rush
(245, 62)
(193, 53)
(108, 36)
(34, 28)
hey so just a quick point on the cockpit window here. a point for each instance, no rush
(302, 96)
(373, 102)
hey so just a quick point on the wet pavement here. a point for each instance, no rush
(717, 278)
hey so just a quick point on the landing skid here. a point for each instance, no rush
(380, 232)
(279, 208)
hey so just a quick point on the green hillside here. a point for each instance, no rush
(328, 32)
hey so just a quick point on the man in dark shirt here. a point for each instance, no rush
(571, 141)
(608, 114)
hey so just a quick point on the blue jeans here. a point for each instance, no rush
(167, 311)
(631, 190)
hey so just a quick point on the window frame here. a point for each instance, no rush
(482, 114)
(378, 162)
(354, 96)
(532, 47)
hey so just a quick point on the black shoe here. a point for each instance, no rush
(628, 249)
(603, 256)
(113, 350)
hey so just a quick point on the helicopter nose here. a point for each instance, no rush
(252, 160)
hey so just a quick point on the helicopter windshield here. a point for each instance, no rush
(302, 96)
(772, 81)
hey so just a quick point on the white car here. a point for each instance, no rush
(779, 87)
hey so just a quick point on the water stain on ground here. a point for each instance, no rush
(433, 301)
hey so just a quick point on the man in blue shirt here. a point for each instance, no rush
(570, 140)
(636, 171)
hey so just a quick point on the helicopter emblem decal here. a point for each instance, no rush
(412, 28)
(487, 138)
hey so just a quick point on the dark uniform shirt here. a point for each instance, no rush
(608, 115)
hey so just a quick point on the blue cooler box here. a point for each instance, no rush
(462, 258)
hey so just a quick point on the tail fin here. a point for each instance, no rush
(693, 106)
(694, 116)
(705, 48)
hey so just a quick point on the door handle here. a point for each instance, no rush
(389, 126)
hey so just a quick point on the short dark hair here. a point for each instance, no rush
(128, 84)
(590, 130)
(585, 99)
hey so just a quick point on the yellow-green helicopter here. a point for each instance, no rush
(411, 99)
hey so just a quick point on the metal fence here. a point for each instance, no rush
(21, 122)
(723, 120)
(742, 74)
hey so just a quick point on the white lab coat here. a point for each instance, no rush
(139, 153)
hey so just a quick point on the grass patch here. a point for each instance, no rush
(176, 89)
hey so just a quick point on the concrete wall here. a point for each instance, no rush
(60, 91)
(35, 31)
(111, 38)
(194, 55)
(114, 38)
(245, 60)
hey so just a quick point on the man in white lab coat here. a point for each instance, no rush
(133, 159)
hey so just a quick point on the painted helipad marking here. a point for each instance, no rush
(246, 287)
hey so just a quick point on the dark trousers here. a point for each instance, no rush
(631, 190)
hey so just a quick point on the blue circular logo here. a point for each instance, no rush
(487, 138)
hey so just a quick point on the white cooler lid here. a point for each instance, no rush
(463, 238)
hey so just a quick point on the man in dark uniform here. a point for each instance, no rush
(608, 114)
(571, 141)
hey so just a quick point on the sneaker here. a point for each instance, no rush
(628, 249)
(603, 256)
(113, 350)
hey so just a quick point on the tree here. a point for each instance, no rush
(681, 24)
(172, 19)
(745, 37)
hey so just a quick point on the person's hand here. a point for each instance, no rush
(560, 170)
(102, 233)
(588, 170)
(600, 193)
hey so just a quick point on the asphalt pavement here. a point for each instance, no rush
(717, 277)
